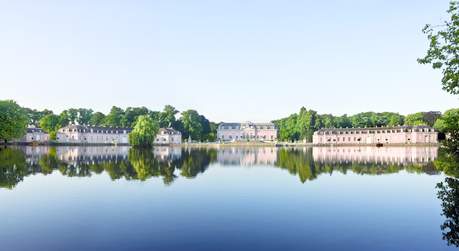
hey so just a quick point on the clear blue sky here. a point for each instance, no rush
(230, 60)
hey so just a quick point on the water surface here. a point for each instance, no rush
(117, 198)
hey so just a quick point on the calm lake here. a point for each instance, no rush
(230, 198)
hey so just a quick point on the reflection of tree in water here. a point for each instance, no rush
(137, 165)
(193, 162)
(13, 167)
(301, 162)
(188, 162)
(145, 166)
(448, 193)
(297, 161)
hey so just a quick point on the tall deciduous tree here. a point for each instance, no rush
(84, 116)
(167, 116)
(13, 120)
(97, 119)
(443, 52)
(50, 124)
(35, 115)
(449, 124)
(115, 117)
(144, 132)
(192, 125)
(421, 118)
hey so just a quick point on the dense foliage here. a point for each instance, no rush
(50, 123)
(190, 124)
(443, 52)
(144, 132)
(13, 120)
(449, 124)
(302, 125)
(194, 126)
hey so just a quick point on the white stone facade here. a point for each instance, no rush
(77, 134)
(247, 131)
(33, 135)
(168, 136)
(377, 135)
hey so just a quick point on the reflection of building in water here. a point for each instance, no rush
(247, 156)
(33, 154)
(91, 155)
(377, 155)
(167, 153)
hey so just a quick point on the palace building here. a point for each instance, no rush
(33, 135)
(78, 134)
(247, 131)
(376, 135)
(167, 136)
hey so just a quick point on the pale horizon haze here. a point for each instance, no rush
(229, 60)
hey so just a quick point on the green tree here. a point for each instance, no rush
(422, 118)
(415, 119)
(449, 125)
(35, 115)
(84, 116)
(13, 120)
(212, 135)
(144, 132)
(132, 113)
(50, 124)
(287, 128)
(64, 119)
(69, 116)
(192, 125)
(443, 52)
(115, 117)
(167, 117)
(343, 121)
(328, 121)
(97, 119)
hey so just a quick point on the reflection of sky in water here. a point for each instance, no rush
(224, 208)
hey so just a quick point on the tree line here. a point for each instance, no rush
(302, 125)
(298, 126)
(14, 120)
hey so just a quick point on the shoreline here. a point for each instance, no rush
(229, 144)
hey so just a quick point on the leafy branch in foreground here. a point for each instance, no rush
(443, 52)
